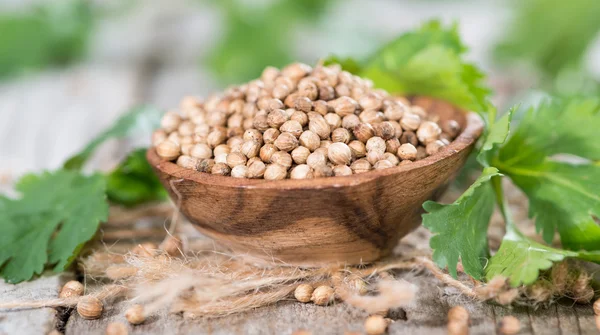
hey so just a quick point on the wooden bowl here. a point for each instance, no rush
(351, 219)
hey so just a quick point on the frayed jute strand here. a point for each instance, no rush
(106, 294)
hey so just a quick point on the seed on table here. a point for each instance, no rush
(339, 153)
(375, 325)
(239, 171)
(71, 289)
(301, 171)
(90, 308)
(275, 172)
(303, 292)
(323, 295)
(135, 314)
(509, 325)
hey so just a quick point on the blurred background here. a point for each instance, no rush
(69, 68)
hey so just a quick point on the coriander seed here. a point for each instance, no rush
(201, 150)
(333, 120)
(256, 169)
(216, 137)
(206, 165)
(323, 294)
(253, 135)
(385, 130)
(301, 171)
(250, 149)
(292, 127)
(342, 170)
(509, 325)
(222, 158)
(310, 140)
(434, 147)
(90, 308)
(188, 162)
(321, 107)
(275, 172)
(350, 121)
(300, 117)
(303, 292)
(286, 142)
(344, 106)
(374, 156)
(276, 118)
(168, 150)
(394, 111)
(316, 159)
(71, 289)
(361, 165)
(409, 137)
(392, 145)
(375, 325)
(303, 104)
(410, 121)
(428, 132)
(267, 151)
(236, 158)
(371, 116)
(376, 144)
(239, 171)
(451, 127)
(363, 132)
(135, 314)
(300, 154)
(358, 149)
(282, 158)
(339, 153)
(221, 169)
(158, 136)
(371, 101)
(170, 121)
(341, 135)
(221, 149)
(382, 164)
(270, 135)
(391, 157)
(407, 151)
(116, 328)
(320, 127)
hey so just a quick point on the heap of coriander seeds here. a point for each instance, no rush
(299, 123)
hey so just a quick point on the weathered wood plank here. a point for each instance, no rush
(34, 321)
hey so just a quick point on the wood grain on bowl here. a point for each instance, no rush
(351, 219)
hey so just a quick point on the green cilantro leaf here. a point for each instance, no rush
(562, 196)
(133, 182)
(429, 62)
(138, 120)
(56, 214)
(496, 135)
(520, 259)
(461, 228)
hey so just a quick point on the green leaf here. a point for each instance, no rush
(136, 121)
(348, 64)
(429, 62)
(562, 196)
(134, 182)
(56, 214)
(460, 229)
(520, 259)
(496, 136)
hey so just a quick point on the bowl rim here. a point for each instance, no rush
(470, 134)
